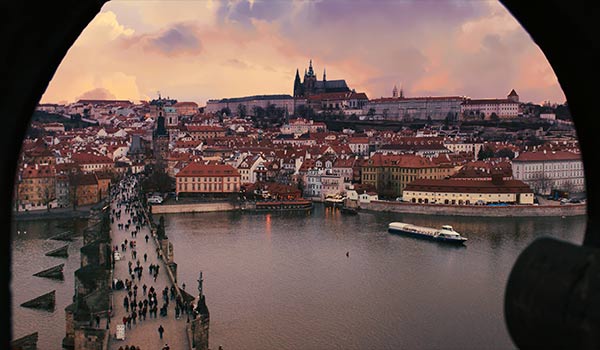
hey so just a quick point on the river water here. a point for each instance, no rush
(283, 280)
(30, 242)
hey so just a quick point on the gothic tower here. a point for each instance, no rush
(310, 80)
(298, 91)
(395, 91)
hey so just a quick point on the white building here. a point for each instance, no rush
(459, 145)
(285, 102)
(301, 126)
(503, 108)
(544, 171)
(402, 108)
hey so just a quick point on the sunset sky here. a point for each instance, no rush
(194, 50)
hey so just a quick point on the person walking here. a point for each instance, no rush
(161, 330)
(146, 238)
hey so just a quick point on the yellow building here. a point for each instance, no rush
(37, 186)
(199, 177)
(390, 173)
(468, 192)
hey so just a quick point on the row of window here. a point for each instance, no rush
(207, 187)
(206, 179)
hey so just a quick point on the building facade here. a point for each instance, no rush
(410, 108)
(484, 108)
(390, 174)
(545, 171)
(204, 178)
(468, 192)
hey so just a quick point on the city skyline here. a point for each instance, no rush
(195, 51)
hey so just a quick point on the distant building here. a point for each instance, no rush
(204, 178)
(86, 189)
(338, 101)
(410, 108)
(36, 188)
(466, 192)
(285, 102)
(186, 108)
(485, 108)
(301, 126)
(390, 174)
(545, 171)
(310, 85)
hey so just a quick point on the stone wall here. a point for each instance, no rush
(478, 210)
(192, 208)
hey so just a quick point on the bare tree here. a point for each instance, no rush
(541, 183)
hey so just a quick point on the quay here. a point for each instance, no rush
(477, 210)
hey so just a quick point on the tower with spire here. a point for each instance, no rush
(395, 91)
(310, 85)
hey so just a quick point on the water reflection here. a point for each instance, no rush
(390, 291)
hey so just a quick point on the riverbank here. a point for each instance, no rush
(478, 210)
(57, 213)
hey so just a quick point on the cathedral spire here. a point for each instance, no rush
(311, 72)
(324, 75)
(395, 91)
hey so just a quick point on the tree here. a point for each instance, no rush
(494, 117)
(505, 153)
(485, 153)
(371, 112)
(540, 183)
(47, 196)
(226, 111)
(242, 111)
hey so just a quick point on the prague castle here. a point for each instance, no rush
(311, 86)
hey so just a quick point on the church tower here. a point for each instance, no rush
(160, 141)
(395, 91)
(310, 80)
(298, 85)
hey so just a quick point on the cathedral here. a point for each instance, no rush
(311, 86)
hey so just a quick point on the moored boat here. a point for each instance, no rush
(446, 234)
(349, 211)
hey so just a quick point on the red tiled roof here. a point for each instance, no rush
(547, 156)
(201, 169)
(473, 186)
(488, 101)
(400, 161)
(87, 158)
(204, 128)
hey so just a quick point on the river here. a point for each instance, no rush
(283, 280)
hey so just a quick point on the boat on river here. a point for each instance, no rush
(349, 211)
(445, 234)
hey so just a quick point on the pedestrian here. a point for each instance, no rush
(161, 330)
(145, 257)
(97, 321)
(146, 238)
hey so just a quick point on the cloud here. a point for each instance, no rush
(234, 62)
(97, 94)
(244, 12)
(175, 40)
(195, 50)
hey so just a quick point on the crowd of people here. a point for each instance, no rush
(141, 300)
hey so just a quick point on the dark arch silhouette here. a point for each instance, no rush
(545, 304)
